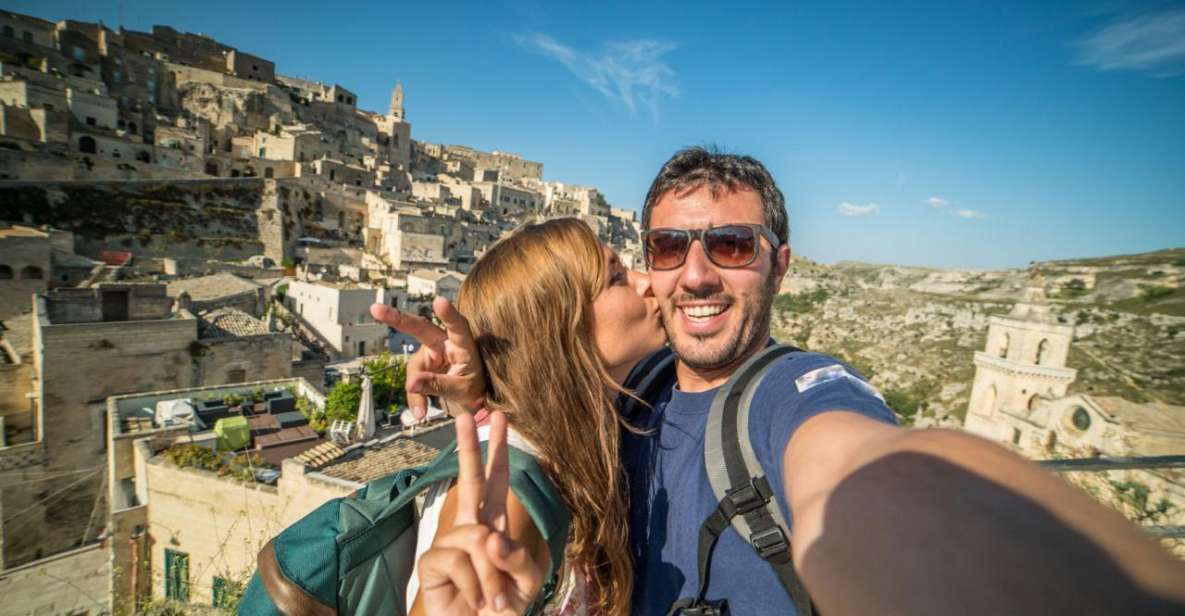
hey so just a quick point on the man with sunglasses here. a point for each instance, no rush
(881, 520)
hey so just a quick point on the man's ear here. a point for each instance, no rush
(782, 261)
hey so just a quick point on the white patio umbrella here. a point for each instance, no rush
(366, 411)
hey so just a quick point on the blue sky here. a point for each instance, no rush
(950, 134)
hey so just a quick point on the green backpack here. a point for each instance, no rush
(354, 555)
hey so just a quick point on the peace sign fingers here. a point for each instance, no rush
(497, 481)
(470, 476)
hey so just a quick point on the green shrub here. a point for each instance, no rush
(193, 456)
(342, 401)
(803, 302)
(388, 375)
(1152, 292)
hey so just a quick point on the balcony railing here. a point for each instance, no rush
(1123, 464)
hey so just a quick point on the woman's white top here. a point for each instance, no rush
(570, 599)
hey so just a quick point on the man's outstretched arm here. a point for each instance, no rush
(896, 521)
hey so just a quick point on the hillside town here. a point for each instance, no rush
(190, 241)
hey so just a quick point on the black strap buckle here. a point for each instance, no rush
(749, 497)
(770, 542)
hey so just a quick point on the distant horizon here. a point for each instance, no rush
(796, 255)
(969, 137)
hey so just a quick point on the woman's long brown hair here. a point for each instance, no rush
(529, 304)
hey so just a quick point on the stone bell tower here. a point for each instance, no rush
(1024, 362)
(396, 109)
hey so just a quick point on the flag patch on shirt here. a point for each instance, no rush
(834, 372)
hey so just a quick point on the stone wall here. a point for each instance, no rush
(222, 219)
(224, 361)
(81, 365)
(74, 582)
(16, 383)
(219, 523)
(25, 266)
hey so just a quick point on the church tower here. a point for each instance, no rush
(396, 110)
(1023, 363)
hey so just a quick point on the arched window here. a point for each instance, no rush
(1042, 351)
(1033, 402)
(989, 401)
(5, 272)
(87, 145)
(32, 272)
(1004, 345)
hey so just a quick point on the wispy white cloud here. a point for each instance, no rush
(963, 213)
(1152, 42)
(858, 211)
(632, 73)
(938, 201)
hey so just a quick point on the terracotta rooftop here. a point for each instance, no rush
(206, 288)
(229, 323)
(1144, 416)
(380, 460)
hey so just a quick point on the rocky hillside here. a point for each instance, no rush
(914, 330)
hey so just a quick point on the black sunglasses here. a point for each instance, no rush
(729, 246)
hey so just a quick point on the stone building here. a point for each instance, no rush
(431, 283)
(191, 535)
(1019, 398)
(339, 315)
(87, 344)
(1024, 363)
(220, 291)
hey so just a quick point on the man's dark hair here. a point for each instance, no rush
(693, 167)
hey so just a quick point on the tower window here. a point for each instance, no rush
(1081, 419)
(1042, 352)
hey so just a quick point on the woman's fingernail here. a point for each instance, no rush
(500, 603)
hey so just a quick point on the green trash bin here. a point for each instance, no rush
(233, 433)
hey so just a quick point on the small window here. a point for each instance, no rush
(80, 54)
(90, 121)
(224, 592)
(27, 36)
(1016, 436)
(116, 76)
(9, 32)
(176, 575)
(5, 272)
(1081, 419)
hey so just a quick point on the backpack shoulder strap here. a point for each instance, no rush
(534, 489)
(739, 483)
(650, 374)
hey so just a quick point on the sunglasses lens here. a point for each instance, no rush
(731, 246)
(665, 249)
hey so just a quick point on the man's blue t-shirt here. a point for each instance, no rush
(670, 495)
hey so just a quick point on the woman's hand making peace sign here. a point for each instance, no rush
(475, 567)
